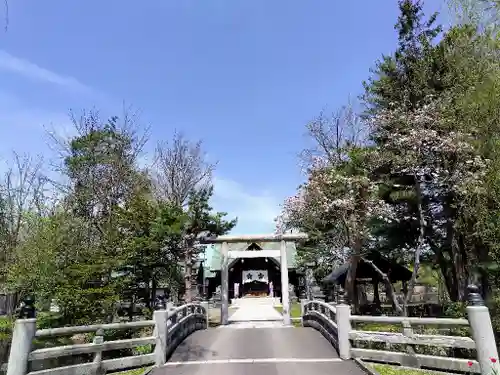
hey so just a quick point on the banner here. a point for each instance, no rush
(255, 275)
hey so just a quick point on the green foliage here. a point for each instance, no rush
(109, 241)
(413, 72)
(201, 218)
(395, 370)
(460, 72)
(431, 154)
(150, 236)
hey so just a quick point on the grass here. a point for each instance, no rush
(395, 370)
(295, 312)
(378, 327)
(137, 371)
(214, 317)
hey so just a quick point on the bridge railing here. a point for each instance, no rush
(336, 324)
(322, 317)
(170, 327)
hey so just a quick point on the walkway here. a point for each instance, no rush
(256, 313)
(267, 351)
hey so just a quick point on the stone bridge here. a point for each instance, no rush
(254, 340)
(257, 340)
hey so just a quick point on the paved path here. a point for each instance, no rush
(253, 313)
(267, 351)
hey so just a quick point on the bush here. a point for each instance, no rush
(6, 325)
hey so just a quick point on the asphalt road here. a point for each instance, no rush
(267, 351)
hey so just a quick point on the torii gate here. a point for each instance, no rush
(226, 255)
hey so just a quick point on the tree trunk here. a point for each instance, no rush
(188, 274)
(350, 282)
(376, 294)
(11, 302)
(358, 222)
(389, 288)
(447, 274)
(420, 243)
(131, 308)
(154, 286)
(455, 245)
(147, 293)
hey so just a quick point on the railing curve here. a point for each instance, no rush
(322, 317)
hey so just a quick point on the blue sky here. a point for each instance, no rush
(244, 76)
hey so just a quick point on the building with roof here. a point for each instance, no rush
(254, 277)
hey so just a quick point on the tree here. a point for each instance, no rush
(441, 167)
(84, 236)
(22, 194)
(181, 168)
(340, 201)
(480, 13)
(151, 235)
(57, 262)
(429, 160)
(201, 222)
(183, 178)
(332, 137)
(412, 73)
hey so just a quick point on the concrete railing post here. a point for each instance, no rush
(482, 333)
(172, 317)
(205, 305)
(302, 306)
(98, 339)
(160, 317)
(343, 320)
(303, 303)
(22, 339)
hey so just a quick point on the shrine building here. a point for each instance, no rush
(249, 277)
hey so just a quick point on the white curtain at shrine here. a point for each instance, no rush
(255, 275)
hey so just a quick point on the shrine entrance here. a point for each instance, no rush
(254, 278)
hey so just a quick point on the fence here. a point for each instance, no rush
(170, 328)
(335, 323)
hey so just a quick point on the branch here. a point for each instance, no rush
(388, 284)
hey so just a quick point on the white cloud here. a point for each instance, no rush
(28, 69)
(255, 210)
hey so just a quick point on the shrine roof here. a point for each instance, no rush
(395, 271)
(213, 253)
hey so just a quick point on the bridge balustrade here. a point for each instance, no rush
(414, 345)
(170, 328)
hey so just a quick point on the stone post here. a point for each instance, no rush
(482, 333)
(343, 318)
(284, 285)
(171, 320)
(98, 339)
(161, 330)
(224, 286)
(205, 306)
(302, 306)
(22, 338)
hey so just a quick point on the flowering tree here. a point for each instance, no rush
(343, 200)
(435, 165)
(425, 166)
